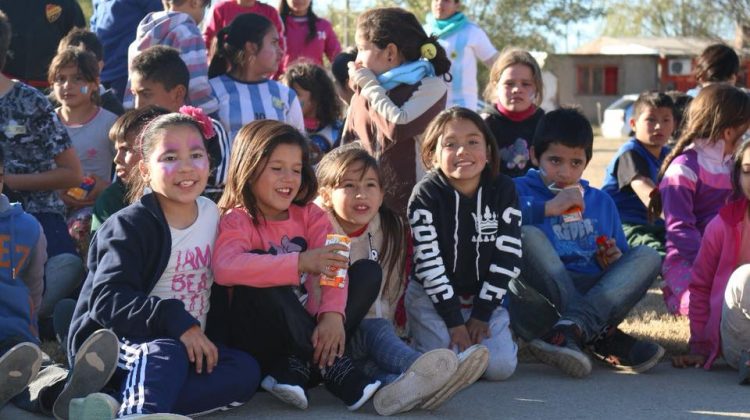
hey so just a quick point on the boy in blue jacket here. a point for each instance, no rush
(27, 375)
(576, 255)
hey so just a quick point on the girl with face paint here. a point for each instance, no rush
(513, 94)
(151, 281)
(74, 76)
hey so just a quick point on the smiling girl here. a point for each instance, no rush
(466, 228)
(150, 283)
(272, 250)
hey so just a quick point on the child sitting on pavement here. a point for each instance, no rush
(27, 375)
(631, 176)
(596, 278)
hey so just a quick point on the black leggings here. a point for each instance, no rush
(270, 323)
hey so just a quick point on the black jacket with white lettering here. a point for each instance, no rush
(465, 245)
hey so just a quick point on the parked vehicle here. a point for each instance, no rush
(616, 122)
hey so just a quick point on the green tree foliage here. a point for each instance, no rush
(687, 18)
(518, 23)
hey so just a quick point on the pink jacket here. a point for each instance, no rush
(716, 260)
(267, 254)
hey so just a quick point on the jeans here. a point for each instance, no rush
(430, 332)
(735, 316)
(379, 352)
(63, 275)
(591, 301)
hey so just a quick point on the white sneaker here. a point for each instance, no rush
(293, 395)
(472, 363)
(18, 367)
(427, 375)
(156, 416)
(96, 406)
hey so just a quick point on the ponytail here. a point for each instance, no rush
(393, 25)
(219, 65)
(440, 60)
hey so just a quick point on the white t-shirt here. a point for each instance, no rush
(464, 47)
(92, 145)
(188, 276)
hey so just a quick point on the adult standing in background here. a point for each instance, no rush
(115, 23)
(38, 26)
(465, 43)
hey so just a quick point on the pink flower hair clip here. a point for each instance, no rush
(207, 128)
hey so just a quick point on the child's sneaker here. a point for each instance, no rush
(744, 368)
(96, 406)
(427, 375)
(472, 363)
(287, 382)
(18, 367)
(561, 348)
(95, 363)
(625, 352)
(349, 384)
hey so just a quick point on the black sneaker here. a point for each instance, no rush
(18, 367)
(287, 382)
(561, 348)
(625, 352)
(743, 368)
(349, 384)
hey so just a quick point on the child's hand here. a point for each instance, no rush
(328, 338)
(324, 260)
(359, 75)
(688, 360)
(101, 185)
(460, 337)
(607, 255)
(564, 200)
(478, 330)
(199, 346)
(73, 203)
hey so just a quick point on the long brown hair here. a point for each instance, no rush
(330, 170)
(716, 108)
(393, 25)
(254, 144)
(435, 131)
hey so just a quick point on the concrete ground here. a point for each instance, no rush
(537, 391)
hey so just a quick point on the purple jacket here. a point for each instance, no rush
(696, 185)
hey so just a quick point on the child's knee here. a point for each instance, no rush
(500, 367)
(247, 375)
(647, 255)
(738, 286)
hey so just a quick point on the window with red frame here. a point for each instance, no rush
(597, 80)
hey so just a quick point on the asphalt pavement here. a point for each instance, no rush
(537, 391)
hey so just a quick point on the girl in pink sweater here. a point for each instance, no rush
(307, 36)
(720, 284)
(272, 249)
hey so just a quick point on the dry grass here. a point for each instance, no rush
(648, 320)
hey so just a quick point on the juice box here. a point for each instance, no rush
(340, 279)
(573, 214)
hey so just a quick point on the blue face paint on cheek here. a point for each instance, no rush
(84, 89)
(168, 168)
